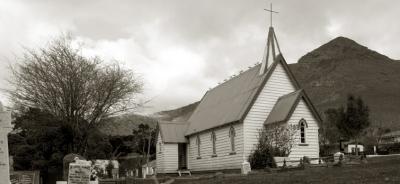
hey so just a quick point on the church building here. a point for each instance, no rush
(224, 128)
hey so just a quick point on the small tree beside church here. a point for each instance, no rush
(274, 141)
(353, 119)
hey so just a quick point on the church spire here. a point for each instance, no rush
(271, 49)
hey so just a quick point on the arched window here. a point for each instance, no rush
(232, 135)
(198, 146)
(159, 147)
(213, 140)
(303, 126)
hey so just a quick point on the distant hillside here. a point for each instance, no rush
(179, 114)
(124, 124)
(342, 66)
(336, 69)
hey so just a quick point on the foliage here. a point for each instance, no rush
(328, 131)
(274, 140)
(81, 91)
(109, 168)
(374, 135)
(99, 146)
(41, 142)
(261, 158)
(354, 119)
(121, 145)
(351, 120)
(280, 137)
(145, 137)
(329, 134)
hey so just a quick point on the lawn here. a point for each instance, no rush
(377, 170)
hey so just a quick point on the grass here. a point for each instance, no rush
(377, 170)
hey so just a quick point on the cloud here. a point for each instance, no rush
(183, 48)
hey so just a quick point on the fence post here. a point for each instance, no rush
(284, 163)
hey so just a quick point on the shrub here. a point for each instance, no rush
(275, 140)
(261, 158)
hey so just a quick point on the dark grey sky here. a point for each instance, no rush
(183, 47)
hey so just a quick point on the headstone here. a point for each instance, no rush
(336, 156)
(79, 172)
(246, 168)
(70, 158)
(5, 128)
(25, 177)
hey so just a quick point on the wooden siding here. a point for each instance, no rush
(223, 160)
(167, 159)
(279, 84)
(311, 146)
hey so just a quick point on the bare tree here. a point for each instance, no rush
(79, 90)
(280, 137)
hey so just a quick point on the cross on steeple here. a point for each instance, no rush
(272, 49)
(271, 11)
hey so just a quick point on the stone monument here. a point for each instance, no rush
(79, 172)
(70, 158)
(246, 168)
(5, 128)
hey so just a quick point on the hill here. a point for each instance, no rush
(179, 114)
(342, 66)
(124, 124)
(334, 70)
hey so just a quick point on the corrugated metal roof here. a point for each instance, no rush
(173, 132)
(227, 102)
(283, 108)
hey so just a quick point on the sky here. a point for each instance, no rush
(182, 48)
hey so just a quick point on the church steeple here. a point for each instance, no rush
(271, 49)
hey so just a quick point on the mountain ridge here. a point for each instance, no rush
(328, 74)
(341, 67)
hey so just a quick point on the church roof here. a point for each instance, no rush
(231, 101)
(284, 107)
(173, 132)
(227, 102)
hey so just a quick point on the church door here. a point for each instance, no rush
(182, 156)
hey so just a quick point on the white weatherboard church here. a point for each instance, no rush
(224, 128)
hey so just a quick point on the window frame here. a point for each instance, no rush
(303, 129)
(198, 143)
(214, 144)
(232, 135)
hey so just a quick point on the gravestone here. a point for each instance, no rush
(79, 172)
(246, 168)
(70, 158)
(5, 128)
(25, 177)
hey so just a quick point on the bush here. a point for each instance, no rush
(276, 140)
(261, 158)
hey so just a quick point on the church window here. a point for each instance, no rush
(232, 138)
(303, 126)
(213, 139)
(159, 147)
(198, 146)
